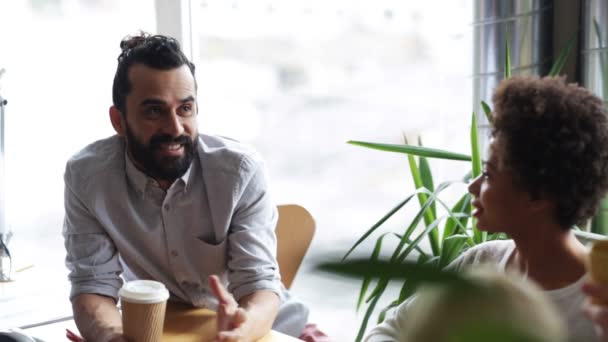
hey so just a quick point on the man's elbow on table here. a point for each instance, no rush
(263, 306)
(97, 318)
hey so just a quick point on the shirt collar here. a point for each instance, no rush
(186, 176)
(140, 180)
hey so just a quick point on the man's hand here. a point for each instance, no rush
(596, 312)
(232, 322)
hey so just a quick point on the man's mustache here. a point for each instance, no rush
(157, 140)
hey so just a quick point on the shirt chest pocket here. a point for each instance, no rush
(209, 258)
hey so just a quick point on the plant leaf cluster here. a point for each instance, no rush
(448, 234)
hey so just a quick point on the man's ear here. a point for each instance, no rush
(117, 120)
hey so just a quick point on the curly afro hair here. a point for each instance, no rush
(553, 136)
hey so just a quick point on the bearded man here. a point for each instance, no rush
(161, 201)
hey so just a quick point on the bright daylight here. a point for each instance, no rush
(337, 170)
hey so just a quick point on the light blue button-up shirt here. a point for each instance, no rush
(218, 218)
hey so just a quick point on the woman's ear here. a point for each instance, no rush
(540, 204)
(117, 120)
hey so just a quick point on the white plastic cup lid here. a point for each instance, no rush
(144, 292)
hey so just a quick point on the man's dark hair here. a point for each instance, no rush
(158, 52)
(553, 136)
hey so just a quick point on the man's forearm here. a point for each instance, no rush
(97, 317)
(262, 308)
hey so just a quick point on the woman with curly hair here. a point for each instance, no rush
(546, 171)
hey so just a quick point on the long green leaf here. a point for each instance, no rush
(476, 232)
(432, 196)
(462, 206)
(488, 111)
(559, 63)
(451, 249)
(383, 312)
(418, 249)
(498, 236)
(379, 223)
(427, 177)
(367, 280)
(381, 286)
(433, 261)
(410, 229)
(415, 150)
(475, 153)
(383, 269)
(367, 316)
(405, 253)
(422, 258)
(467, 177)
(407, 290)
(478, 236)
(377, 291)
(459, 218)
(400, 205)
(418, 176)
(418, 183)
(427, 181)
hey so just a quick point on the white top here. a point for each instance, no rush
(568, 300)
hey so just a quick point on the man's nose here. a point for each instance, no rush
(173, 124)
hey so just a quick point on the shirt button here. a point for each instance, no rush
(167, 207)
(174, 253)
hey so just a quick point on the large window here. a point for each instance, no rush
(60, 58)
(297, 79)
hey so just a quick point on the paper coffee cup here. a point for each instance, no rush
(143, 310)
(598, 265)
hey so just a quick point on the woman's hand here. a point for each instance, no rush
(597, 313)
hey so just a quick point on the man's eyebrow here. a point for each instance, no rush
(152, 102)
(188, 99)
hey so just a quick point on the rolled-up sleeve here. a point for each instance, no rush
(92, 258)
(252, 264)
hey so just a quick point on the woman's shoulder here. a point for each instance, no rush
(487, 252)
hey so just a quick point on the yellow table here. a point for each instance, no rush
(183, 323)
(24, 302)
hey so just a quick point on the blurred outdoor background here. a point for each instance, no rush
(295, 79)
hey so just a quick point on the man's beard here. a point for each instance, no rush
(167, 168)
